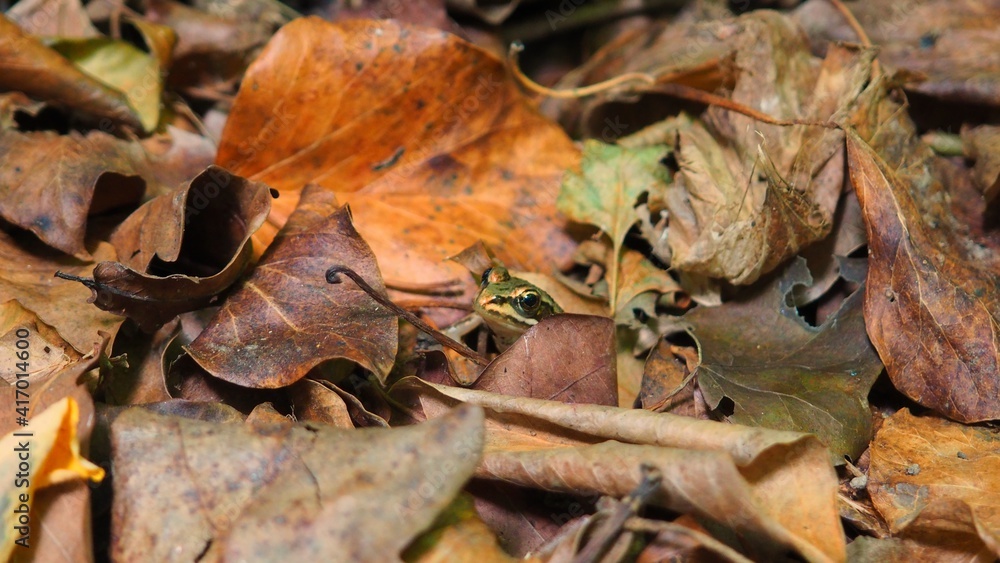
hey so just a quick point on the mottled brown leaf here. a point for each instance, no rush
(782, 373)
(285, 318)
(566, 358)
(49, 183)
(934, 480)
(213, 492)
(931, 310)
(421, 133)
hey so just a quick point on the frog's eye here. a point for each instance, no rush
(528, 302)
(485, 280)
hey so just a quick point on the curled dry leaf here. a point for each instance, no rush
(26, 274)
(55, 455)
(49, 183)
(166, 267)
(283, 491)
(30, 67)
(931, 309)
(566, 358)
(781, 482)
(421, 133)
(938, 482)
(782, 373)
(285, 318)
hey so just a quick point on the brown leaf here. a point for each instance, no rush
(450, 152)
(27, 275)
(166, 267)
(48, 351)
(667, 381)
(781, 483)
(750, 201)
(62, 18)
(931, 312)
(211, 48)
(314, 402)
(32, 68)
(50, 183)
(936, 482)
(285, 318)
(982, 144)
(240, 492)
(566, 358)
(944, 48)
(60, 516)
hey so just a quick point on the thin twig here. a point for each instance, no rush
(333, 276)
(845, 12)
(572, 93)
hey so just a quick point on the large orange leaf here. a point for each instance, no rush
(420, 132)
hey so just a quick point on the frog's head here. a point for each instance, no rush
(511, 305)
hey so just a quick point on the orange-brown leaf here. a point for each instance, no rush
(421, 133)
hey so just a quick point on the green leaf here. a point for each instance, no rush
(121, 66)
(782, 373)
(607, 191)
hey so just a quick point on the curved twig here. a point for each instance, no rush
(333, 276)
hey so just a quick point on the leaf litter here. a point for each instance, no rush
(196, 172)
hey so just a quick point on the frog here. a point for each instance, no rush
(508, 306)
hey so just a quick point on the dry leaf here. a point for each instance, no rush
(53, 458)
(782, 373)
(782, 482)
(50, 183)
(27, 275)
(935, 483)
(166, 268)
(433, 148)
(930, 310)
(283, 491)
(566, 358)
(32, 68)
(285, 318)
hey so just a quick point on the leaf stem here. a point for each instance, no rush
(333, 276)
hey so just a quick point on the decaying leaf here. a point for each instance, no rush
(421, 133)
(782, 373)
(983, 145)
(285, 318)
(935, 483)
(50, 183)
(126, 68)
(931, 311)
(283, 491)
